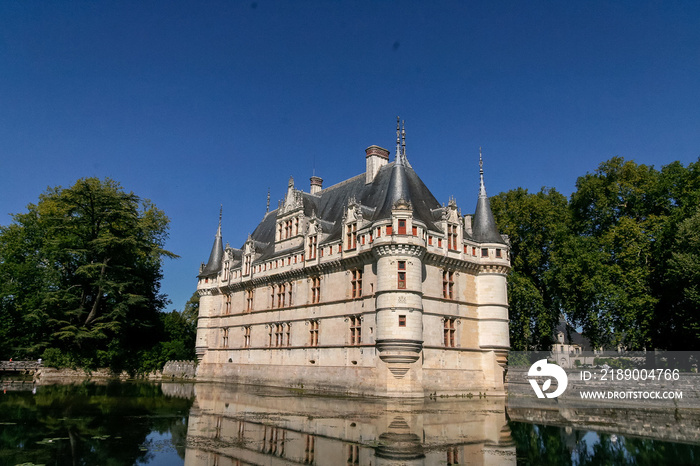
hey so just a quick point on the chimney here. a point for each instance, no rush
(316, 184)
(377, 157)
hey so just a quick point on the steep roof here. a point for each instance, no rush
(217, 255)
(484, 228)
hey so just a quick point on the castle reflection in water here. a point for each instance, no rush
(234, 425)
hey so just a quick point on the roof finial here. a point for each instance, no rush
(403, 138)
(268, 200)
(221, 211)
(482, 187)
(398, 138)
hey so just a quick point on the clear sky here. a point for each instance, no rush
(201, 103)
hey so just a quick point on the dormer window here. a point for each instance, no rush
(352, 236)
(313, 242)
(452, 231)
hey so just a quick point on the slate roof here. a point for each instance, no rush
(394, 181)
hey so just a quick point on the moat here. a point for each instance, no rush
(214, 424)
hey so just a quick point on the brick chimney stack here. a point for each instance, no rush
(377, 157)
(316, 184)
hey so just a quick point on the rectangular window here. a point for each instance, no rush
(246, 336)
(280, 296)
(356, 283)
(272, 296)
(402, 227)
(313, 240)
(473, 251)
(315, 290)
(225, 338)
(484, 252)
(379, 232)
(289, 294)
(288, 334)
(448, 284)
(439, 242)
(449, 332)
(414, 231)
(352, 236)
(353, 455)
(498, 253)
(249, 300)
(355, 330)
(313, 333)
(389, 230)
(402, 275)
(452, 237)
(402, 321)
(227, 303)
(279, 334)
(430, 240)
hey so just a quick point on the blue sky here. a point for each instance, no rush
(202, 103)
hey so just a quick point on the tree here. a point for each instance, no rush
(536, 225)
(82, 270)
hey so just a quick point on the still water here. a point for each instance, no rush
(212, 424)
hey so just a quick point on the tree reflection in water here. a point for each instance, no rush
(88, 424)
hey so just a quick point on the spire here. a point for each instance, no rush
(398, 139)
(482, 187)
(484, 228)
(268, 200)
(403, 138)
(217, 252)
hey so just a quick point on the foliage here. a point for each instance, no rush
(620, 259)
(535, 224)
(80, 274)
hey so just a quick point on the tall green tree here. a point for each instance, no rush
(91, 256)
(536, 225)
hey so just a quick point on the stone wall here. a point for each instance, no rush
(179, 370)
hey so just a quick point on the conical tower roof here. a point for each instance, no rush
(217, 255)
(484, 228)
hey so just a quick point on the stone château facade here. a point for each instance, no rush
(370, 286)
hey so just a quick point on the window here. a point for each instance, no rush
(473, 251)
(288, 335)
(246, 336)
(280, 296)
(414, 231)
(296, 226)
(484, 252)
(313, 241)
(402, 275)
(315, 289)
(448, 284)
(389, 230)
(355, 330)
(353, 455)
(352, 236)
(246, 268)
(227, 303)
(452, 456)
(289, 294)
(309, 451)
(452, 237)
(379, 232)
(272, 296)
(430, 240)
(439, 242)
(498, 253)
(402, 227)
(249, 300)
(313, 333)
(449, 332)
(402, 321)
(356, 283)
(224, 340)
(279, 334)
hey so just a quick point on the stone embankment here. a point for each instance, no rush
(179, 370)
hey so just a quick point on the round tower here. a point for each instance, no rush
(399, 302)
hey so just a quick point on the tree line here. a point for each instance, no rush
(620, 258)
(80, 271)
(80, 279)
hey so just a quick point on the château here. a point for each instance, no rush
(369, 286)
